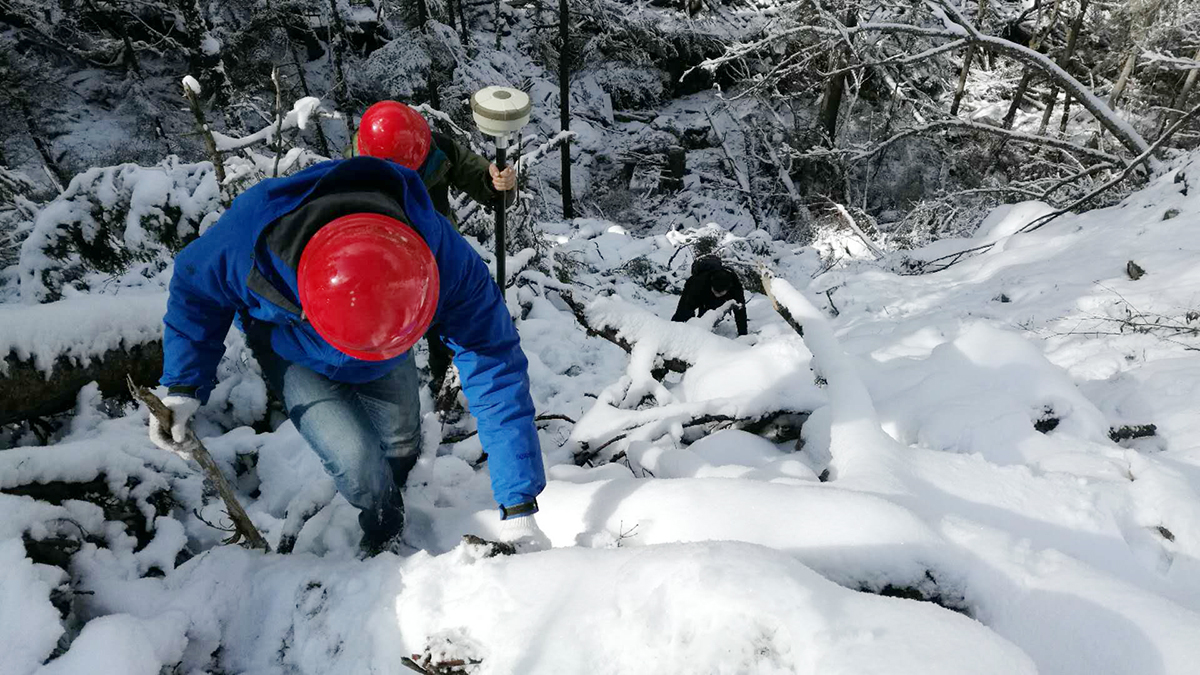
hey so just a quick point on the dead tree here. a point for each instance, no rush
(966, 66)
(1188, 83)
(322, 142)
(1040, 32)
(210, 143)
(1064, 60)
(611, 334)
(462, 16)
(959, 32)
(207, 65)
(835, 87)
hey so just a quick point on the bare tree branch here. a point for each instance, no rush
(959, 29)
(965, 126)
(192, 447)
(1041, 222)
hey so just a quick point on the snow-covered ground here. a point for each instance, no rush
(959, 422)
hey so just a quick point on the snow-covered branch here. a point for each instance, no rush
(430, 111)
(964, 126)
(1169, 62)
(903, 59)
(297, 118)
(532, 157)
(958, 30)
(1040, 222)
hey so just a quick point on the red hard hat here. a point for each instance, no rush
(369, 285)
(391, 130)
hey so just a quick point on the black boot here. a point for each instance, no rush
(382, 529)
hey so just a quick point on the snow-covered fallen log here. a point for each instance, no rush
(625, 325)
(51, 351)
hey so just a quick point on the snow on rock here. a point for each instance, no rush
(123, 645)
(712, 607)
(29, 624)
(80, 328)
(987, 391)
(677, 608)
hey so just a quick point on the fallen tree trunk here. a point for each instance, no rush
(780, 426)
(27, 392)
(611, 334)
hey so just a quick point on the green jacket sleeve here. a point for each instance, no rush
(469, 173)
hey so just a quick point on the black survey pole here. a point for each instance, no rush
(501, 160)
(500, 112)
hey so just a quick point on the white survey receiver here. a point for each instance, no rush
(500, 111)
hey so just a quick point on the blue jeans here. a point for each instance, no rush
(368, 435)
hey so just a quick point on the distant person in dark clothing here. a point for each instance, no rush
(711, 285)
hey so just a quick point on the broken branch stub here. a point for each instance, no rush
(191, 446)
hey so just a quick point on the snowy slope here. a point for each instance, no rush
(681, 548)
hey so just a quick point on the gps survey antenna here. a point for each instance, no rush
(500, 112)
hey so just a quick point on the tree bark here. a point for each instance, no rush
(322, 142)
(1064, 60)
(962, 80)
(213, 154)
(1066, 114)
(564, 102)
(1188, 84)
(497, 25)
(835, 87)
(209, 68)
(337, 43)
(1018, 96)
(966, 67)
(278, 121)
(1122, 79)
(26, 392)
(462, 16)
(1039, 34)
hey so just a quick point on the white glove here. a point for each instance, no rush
(182, 408)
(524, 534)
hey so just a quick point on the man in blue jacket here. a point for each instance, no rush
(333, 274)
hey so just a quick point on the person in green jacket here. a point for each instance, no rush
(395, 131)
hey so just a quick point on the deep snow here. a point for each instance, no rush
(702, 551)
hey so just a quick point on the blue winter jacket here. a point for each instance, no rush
(224, 274)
